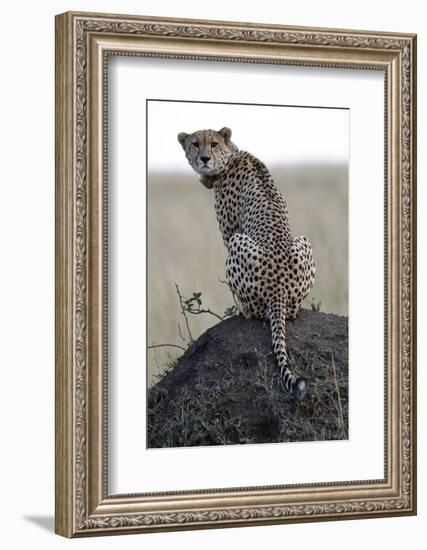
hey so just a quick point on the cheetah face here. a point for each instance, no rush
(208, 151)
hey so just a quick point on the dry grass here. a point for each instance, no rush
(185, 247)
(247, 405)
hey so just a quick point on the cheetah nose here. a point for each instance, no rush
(205, 159)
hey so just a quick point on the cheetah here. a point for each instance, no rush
(269, 271)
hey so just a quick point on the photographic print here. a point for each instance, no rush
(247, 273)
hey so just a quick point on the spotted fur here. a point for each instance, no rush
(269, 271)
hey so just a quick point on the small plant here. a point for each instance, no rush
(229, 312)
(192, 305)
(189, 302)
(315, 304)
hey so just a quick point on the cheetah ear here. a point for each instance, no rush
(226, 133)
(182, 137)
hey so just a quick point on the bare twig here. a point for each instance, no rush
(184, 314)
(236, 305)
(232, 293)
(340, 415)
(157, 363)
(166, 346)
(198, 311)
(315, 303)
(185, 308)
(180, 333)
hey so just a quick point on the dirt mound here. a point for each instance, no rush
(225, 389)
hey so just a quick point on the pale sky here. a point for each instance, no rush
(276, 135)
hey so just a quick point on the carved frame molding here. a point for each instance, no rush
(83, 41)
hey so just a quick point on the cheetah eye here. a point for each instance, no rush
(196, 145)
(214, 144)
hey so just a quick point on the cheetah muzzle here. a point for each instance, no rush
(269, 271)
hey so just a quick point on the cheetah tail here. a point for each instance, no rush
(295, 386)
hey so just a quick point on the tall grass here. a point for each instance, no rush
(185, 246)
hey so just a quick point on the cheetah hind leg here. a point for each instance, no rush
(295, 386)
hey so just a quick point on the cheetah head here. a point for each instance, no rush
(208, 151)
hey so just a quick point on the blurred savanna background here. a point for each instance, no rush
(306, 151)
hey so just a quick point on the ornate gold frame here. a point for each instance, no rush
(83, 506)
